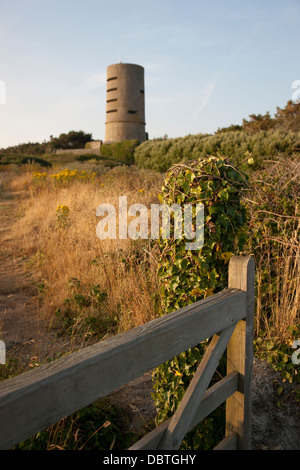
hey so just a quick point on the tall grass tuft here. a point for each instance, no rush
(88, 286)
(274, 226)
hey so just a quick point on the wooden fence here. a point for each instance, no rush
(34, 400)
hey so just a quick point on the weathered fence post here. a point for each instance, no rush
(240, 354)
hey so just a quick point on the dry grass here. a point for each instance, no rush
(279, 293)
(95, 286)
(104, 287)
(108, 286)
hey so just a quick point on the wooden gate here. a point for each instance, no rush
(34, 400)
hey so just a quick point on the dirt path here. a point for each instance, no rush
(18, 313)
(25, 333)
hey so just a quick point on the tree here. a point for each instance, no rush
(288, 118)
(258, 122)
(232, 127)
(72, 140)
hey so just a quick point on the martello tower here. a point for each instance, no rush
(125, 103)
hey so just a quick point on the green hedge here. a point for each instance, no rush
(22, 160)
(160, 155)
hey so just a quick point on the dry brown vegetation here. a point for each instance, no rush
(101, 287)
(274, 241)
(89, 286)
(89, 289)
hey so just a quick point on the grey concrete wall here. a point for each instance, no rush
(125, 103)
(94, 144)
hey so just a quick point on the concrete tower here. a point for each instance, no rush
(125, 103)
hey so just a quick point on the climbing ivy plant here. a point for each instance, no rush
(187, 276)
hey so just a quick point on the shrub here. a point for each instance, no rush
(41, 161)
(66, 176)
(161, 155)
(87, 156)
(6, 159)
(121, 151)
(38, 178)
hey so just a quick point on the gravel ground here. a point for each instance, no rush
(273, 427)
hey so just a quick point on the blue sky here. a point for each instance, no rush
(208, 64)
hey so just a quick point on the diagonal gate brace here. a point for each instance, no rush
(181, 420)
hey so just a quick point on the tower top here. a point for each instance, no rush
(125, 64)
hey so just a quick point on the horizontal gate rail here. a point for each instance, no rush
(34, 400)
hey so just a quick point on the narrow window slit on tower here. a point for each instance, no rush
(112, 89)
(130, 111)
(111, 78)
(112, 111)
(113, 99)
(142, 91)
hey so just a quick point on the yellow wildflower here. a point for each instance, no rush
(176, 372)
(226, 256)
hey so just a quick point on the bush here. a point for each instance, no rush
(41, 161)
(22, 160)
(120, 151)
(187, 276)
(161, 155)
(87, 156)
